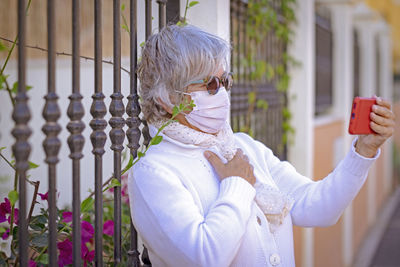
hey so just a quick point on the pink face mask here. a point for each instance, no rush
(211, 111)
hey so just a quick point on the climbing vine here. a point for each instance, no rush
(266, 18)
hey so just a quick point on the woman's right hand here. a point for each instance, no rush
(238, 166)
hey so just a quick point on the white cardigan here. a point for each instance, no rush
(186, 216)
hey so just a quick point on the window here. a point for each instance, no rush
(323, 66)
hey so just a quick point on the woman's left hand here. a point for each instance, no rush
(382, 123)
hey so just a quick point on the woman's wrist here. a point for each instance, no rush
(364, 150)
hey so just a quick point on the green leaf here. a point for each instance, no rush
(3, 47)
(13, 197)
(39, 219)
(28, 87)
(44, 259)
(142, 44)
(87, 204)
(125, 28)
(193, 3)
(140, 154)
(114, 182)
(14, 88)
(40, 240)
(123, 7)
(156, 140)
(37, 226)
(252, 97)
(175, 111)
(2, 230)
(32, 165)
(1, 148)
(261, 103)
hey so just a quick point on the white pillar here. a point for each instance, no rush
(301, 104)
(386, 84)
(343, 74)
(365, 24)
(211, 16)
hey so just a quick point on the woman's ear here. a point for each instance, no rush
(165, 106)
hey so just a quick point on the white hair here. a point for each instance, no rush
(171, 59)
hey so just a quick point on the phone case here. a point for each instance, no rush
(360, 115)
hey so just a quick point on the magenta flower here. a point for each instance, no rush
(108, 228)
(5, 208)
(15, 216)
(87, 256)
(65, 256)
(87, 231)
(44, 196)
(67, 216)
(6, 234)
(32, 263)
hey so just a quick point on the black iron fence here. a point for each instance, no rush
(257, 104)
(51, 113)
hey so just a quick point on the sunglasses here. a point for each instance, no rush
(213, 83)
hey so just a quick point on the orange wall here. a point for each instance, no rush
(360, 222)
(328, 240)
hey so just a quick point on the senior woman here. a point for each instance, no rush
(207, 197)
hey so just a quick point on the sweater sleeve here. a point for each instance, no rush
(173, 226)
(320, 203)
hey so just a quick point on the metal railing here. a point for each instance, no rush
(51, 113)
(265, 124)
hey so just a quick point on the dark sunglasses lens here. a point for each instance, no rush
(213, 86)
(228, 81)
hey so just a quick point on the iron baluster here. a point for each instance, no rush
(51, 144)
(98, 137)
(76, 140)
(117, 134)
(21, 148)
(162, 13)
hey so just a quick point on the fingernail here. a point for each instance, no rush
(207, 154)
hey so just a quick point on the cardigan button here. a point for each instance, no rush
(259, 220)
(274, 259)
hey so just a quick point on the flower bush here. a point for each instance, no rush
(38, 230)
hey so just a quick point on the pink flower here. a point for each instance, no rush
(86, 255)
(32, 263)
(15, 216)
(108, 228)
(67, 216)
(44, 196)
(87, 231)
(65, 256)
(6, 234)
(5, 208)
(89, 257)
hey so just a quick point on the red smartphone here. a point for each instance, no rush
(360, 115)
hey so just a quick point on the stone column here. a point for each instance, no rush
(301, 104)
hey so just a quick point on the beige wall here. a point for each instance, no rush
(327, 241)
(37, 26)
